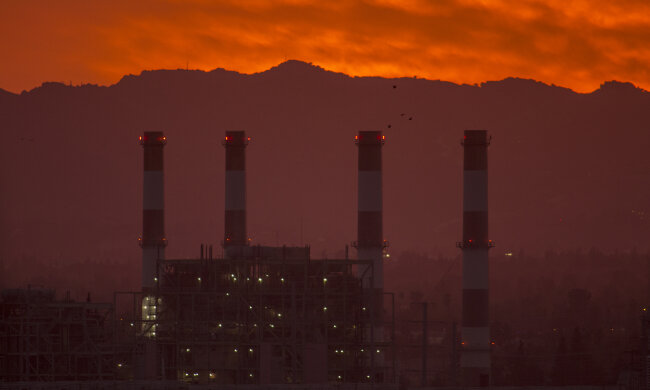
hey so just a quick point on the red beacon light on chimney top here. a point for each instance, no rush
(235, 141)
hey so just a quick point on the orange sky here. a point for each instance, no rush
(573, 43)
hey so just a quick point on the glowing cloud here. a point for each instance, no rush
(578, 44)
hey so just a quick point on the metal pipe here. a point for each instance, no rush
(424, 343)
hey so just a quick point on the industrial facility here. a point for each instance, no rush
(259, 315)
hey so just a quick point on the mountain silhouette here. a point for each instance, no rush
(567, 170)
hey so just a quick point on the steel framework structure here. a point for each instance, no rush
(42, 339)
(262, 321)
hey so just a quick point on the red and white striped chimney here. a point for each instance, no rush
(370, 240)
(475, 351)
(235, 236)
(153, 239)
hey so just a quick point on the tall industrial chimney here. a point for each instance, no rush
(153, 243)
(235, 236)
(153, 239)
(370, 242)
(475, 350)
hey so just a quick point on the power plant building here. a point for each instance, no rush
(260, 314)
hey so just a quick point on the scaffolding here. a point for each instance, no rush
(45, 340)
(272, 317)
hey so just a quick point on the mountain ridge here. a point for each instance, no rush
(293, 66)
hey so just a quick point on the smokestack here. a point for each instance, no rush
(153, 239)
(370, 240)
(475, 351)
(235, 236)
(153, 243)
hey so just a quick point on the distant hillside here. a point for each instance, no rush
(567, 170)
